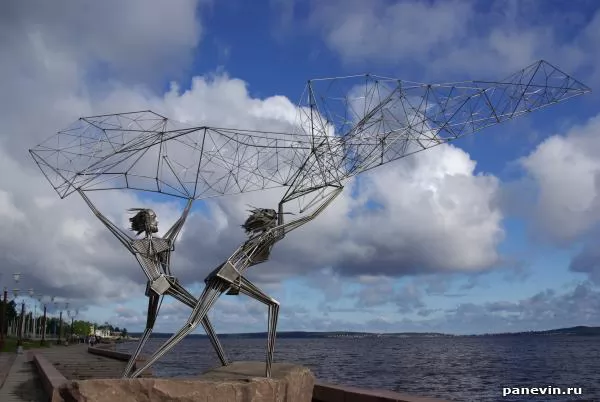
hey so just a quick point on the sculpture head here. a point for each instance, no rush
(144, 221)
(260, 220)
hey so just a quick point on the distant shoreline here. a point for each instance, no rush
(571, 331)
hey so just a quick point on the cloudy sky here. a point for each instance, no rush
(494, 233)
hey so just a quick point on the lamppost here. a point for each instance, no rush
(21, 323)
(60, 322)
(3, 318)
(72, 314)
(38, 322)
(4, 324)
(29, 328)
(55, 308)
(44, 301)
(14, 327)
(16, 277)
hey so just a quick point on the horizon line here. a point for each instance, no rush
(391, 333)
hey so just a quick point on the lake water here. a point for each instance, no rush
(455, 368)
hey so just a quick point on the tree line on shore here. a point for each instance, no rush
(80, 327)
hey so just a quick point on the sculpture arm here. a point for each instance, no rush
(172, 233)
(283, 228)
(122, 236)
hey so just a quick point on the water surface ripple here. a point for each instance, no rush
(455, 368)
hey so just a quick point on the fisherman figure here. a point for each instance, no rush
(153, 254)
(264, 227)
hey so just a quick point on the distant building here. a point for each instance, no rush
(102, 332)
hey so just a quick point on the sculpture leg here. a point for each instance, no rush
(181, 294)
(214, 289)
(153, 307)
(212, 336)
(249, 289)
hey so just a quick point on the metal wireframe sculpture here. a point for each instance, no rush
(363, 145)
(154, 256)
(346, 126)
(266, 228)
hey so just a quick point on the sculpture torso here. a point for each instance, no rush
(254, 251)
(258, 249)
(152, 254)
(150, 245)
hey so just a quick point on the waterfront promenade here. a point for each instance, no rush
(22, 381)
(21, 377)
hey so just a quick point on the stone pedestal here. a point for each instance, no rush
(238, 382)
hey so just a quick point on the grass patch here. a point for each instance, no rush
(10, 345)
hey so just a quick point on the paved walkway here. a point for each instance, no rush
(6, 360)
(21, 379)
(75, 363)
(22, 383)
